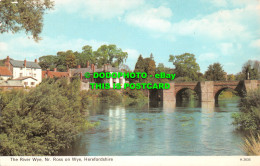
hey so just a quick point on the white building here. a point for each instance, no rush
(30, 73)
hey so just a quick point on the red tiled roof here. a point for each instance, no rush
(4, 71)
(52, 74)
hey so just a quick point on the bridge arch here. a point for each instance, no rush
(219, 91)
(181, 90)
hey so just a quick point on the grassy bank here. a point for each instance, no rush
(248, 121)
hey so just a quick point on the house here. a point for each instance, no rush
(27, 81)
(52, 74)
(91, 69)
(30, 73)
(11, 84)
(5, 73)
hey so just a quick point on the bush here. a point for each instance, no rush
(249, 117)
(134, 93)
(43, 121)
(110, 95)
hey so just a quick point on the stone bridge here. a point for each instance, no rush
(207, 91)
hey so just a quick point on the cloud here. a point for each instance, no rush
(226, 48)
(208, 57)
(27, 48)
(255, 44)
(132, 57)
(155, 19)
(98, 8)
(219, 3)
(3, 47)
(223, 24)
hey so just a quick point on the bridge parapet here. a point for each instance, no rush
(208, 91)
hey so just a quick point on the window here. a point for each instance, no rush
(21, 74)
(25, 83)
(34, 75)
(32, 83)
(21, 68)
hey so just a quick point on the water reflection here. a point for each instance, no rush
(169, 128)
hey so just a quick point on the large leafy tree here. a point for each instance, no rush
(86, 55)
(185, 65)
(48, 61)
(215, 72)
(24, 15)
(110, 54)
(70, 59)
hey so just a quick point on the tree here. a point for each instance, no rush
(150, 66)
(140, 65)
(185, 65)
(110, 54)
(215, 73)
(70, 59)
(85, 56)
(251, 70)
(24, 15)
(47, 61)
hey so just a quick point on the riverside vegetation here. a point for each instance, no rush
(42, 121)
(248, 120)
(48, 118)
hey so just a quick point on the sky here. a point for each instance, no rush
(224, 31)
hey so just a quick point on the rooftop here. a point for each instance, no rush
(4, 71)
(29, 64)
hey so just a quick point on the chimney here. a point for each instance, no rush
(25, 63)
(7, 62)
(80, 76)
(79, 66)
(87, 64)
(55, 69)
(35, 61)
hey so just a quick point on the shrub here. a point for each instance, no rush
(249, 117)
(43, 121)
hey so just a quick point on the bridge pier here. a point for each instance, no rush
(207, 91)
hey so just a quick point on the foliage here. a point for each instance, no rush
(231, 77)
(24, 15)
(110, 54)
(146, 65)
(106, 54)
(110, 95)
(185, 65)
(42, 121)
(134, 96)
(182, 79)
(47, 61)
(249, 117)
(251, 69)
(215, 72)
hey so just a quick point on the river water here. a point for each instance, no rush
(182, 129)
